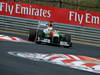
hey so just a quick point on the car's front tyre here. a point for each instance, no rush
(32, 35)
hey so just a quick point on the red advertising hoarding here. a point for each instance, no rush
(47, 13)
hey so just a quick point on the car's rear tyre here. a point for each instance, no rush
(32, 35)
(67, 38)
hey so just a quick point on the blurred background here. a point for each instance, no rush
(87, 5)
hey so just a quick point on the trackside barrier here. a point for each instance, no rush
(80, 33)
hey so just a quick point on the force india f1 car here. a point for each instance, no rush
(54, 38)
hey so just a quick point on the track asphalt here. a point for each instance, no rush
(10, 65)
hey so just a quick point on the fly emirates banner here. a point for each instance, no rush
(47, 13)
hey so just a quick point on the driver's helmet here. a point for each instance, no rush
(50, 26)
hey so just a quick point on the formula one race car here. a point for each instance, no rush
(54, 38)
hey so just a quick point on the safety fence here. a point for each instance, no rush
(80, 33)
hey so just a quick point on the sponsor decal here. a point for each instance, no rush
(22, 9)
(73, 61)
(87, 18)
